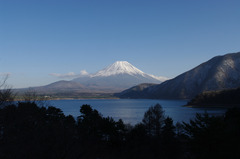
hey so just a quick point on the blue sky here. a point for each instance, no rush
(160, 37)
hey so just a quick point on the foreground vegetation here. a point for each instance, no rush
(30, 131)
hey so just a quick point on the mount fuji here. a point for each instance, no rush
(118, 76)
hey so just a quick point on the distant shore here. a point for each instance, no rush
(69, 98)
(82, 98)
(213, 106)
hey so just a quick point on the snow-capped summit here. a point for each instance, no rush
(119, 67)
(124, 67)
(119, 75)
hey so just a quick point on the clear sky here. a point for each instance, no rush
(160, 37)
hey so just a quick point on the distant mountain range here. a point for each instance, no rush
(220, 72)
(114, 78)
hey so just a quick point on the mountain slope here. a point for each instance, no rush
(65, 85)
(220, 72)
(60, 86)
(135, 92)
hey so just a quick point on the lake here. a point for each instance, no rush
(132, 110)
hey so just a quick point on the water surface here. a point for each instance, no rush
(132, 110)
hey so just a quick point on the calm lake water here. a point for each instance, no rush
(132, 110)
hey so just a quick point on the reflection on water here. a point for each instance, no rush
(132, 110)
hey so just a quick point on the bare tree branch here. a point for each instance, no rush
(32, 96)
(6, 94)
(3, 83)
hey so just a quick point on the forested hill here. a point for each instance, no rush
(218, 73)
(224, 98)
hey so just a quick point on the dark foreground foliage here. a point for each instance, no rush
(28, 131)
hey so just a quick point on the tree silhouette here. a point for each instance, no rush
(30, 131)
(210, 136)
(7, 96)
(168, 130)
(153, 120)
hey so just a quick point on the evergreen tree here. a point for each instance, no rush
(154, 119)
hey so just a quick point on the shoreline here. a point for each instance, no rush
(214, 106)
(66, 98)
(79, 98)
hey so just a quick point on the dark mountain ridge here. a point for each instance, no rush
(220, 72)
(135, 92)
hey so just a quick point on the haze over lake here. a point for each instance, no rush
(132, 110)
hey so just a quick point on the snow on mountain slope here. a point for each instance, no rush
(121, 75)
(124, 67)
(160, 78)
(119, 67)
